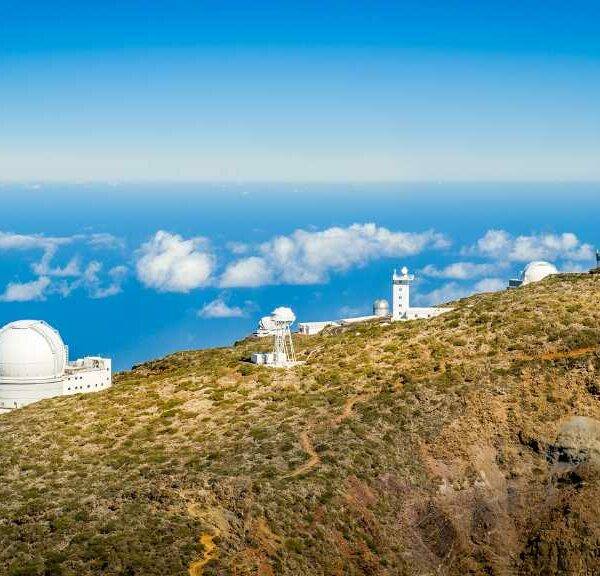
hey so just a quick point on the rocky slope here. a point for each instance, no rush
(466, 444)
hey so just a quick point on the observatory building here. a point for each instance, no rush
(283, 355)
(34, 364)
(401, 308)
(533, 272)
(381, 309)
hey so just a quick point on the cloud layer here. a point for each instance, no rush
(169, 262)
(306, 257)
(57, 279)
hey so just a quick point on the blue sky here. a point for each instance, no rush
(156, 159)
(299, 91)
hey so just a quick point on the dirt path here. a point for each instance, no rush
(560, 355)
(210, 551)
(347, 411)
(313, 457)
(306, 443)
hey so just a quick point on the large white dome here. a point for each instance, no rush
(536, 271)
(31, 351)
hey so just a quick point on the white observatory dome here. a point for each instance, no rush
(381, 308)
(31, 351)
(283, 314)
(536, 271)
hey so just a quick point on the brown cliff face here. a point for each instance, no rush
(465, 444)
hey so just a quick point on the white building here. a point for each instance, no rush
(381, 309)
(533, 272)
(311, 328)
(401, 308)
(34, 364)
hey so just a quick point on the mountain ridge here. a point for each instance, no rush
(442, 446)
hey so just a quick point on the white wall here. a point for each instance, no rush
(88, 379)
(18, 395)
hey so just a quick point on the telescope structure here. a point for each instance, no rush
(283, 354)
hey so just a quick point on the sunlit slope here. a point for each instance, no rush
(424, 447)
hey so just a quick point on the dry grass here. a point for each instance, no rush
(440, 467)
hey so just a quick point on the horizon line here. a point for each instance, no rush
(239, 182)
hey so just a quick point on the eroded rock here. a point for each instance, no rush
(578, 442)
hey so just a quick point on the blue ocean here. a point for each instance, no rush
(87, 259)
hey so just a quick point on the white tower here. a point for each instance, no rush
(401, 293)
(283, 351)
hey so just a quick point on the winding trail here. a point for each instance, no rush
(210, 551)
(347, 411)
(313, 458)
(306, 443)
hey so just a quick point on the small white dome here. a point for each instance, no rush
(31, 351)
(536, 271)
(381, 307)
(267, 323)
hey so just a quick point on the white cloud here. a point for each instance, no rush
(90, 280)
(502, 245)
(170, 263)
(107, 292)
(103, 240)
(462, 270)
(218, 308)
(56, 278)
(307, 257)
(10, 241)
(117, 275)
(27, 291)
(49, 245)
(44, 267)
(248, 272)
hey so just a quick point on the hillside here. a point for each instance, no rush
(445, 446)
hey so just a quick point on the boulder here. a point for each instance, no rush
(578, 442)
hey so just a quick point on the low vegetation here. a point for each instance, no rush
(425, 447)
